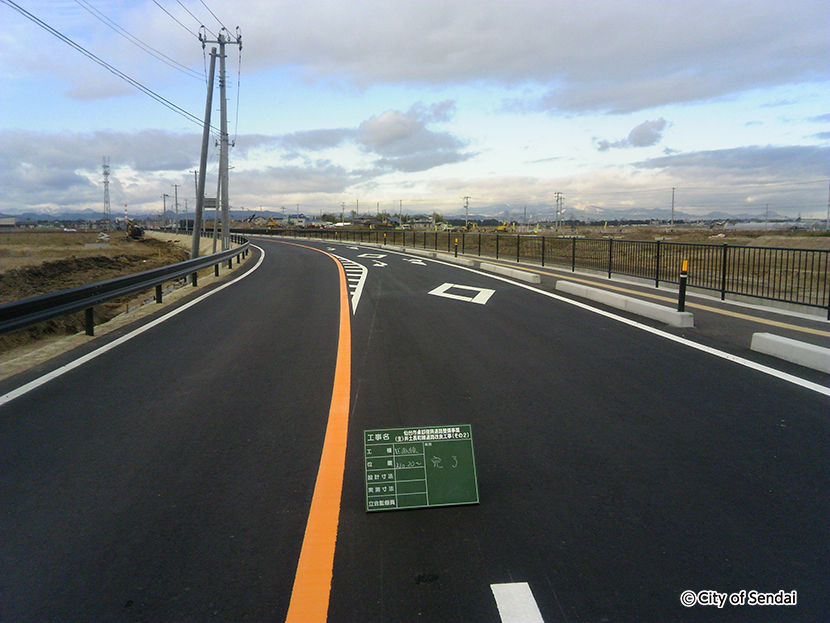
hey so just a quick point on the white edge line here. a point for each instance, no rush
(516, 603)
(25, 389)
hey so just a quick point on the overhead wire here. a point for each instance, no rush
(212, 13)
(174, 19)
(136, 41)
(120, 74)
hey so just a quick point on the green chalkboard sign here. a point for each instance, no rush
(418, 467)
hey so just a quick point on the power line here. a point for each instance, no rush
(175, 20)
(136, 41)
(196, 19)
(212, 13)
(146, 90)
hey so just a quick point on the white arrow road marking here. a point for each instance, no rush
(414, 261)
(377, 264)
(516, 603)
(481, 296)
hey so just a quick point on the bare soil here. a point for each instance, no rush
(41, 262)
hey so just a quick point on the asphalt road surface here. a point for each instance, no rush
(172, 477)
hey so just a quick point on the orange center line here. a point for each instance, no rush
(312, 584)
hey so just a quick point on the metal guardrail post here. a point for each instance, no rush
(158, 293)
(89, 323)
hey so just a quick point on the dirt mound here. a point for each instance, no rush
(62, 274)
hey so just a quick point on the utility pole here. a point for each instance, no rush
(176, 202)
(223, 38)
(672, 209)
(827, 222)
(200, 182)
(466, 212)
(164, 220)
(107, 214)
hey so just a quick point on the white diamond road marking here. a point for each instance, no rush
(516, 603)
(372, 256)
(481, 296)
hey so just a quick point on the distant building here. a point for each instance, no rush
(8, 221)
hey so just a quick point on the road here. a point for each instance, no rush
(172, 476)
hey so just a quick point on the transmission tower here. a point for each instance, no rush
(107, 213)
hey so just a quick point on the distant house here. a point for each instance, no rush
(8, 221)
(298, 220)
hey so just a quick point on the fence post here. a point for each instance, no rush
(518, 246)
(497, 246)
(723, 272)
(158, 293)
(610, 255)
(543, 251)
(479, 244)
(657, 268)
(573, 255)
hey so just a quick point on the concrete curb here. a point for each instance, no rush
(635, 306)
(808, 355)
(514, 273)
(422, 253)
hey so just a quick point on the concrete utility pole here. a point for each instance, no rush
(107, 212)
(176, 202)
(672, 208)
(164, 220)
(200, 182)
(223, 38)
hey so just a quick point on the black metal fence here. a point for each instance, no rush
(800, 276)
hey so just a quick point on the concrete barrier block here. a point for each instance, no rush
(422, 252)
(646, 309)
(802, 353)
(521, 275)
(461, 261)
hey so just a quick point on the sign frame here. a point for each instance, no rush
(419, 467)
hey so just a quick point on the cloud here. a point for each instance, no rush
(646, 134)
(755, 163)
(404, 143)
(400, 140)
(597, 56)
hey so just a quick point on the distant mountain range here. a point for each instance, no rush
(502, 212)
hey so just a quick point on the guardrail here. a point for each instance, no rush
(799, 276)
(30, 311)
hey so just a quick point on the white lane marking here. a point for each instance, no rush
(516, 603)
(482, 295)
(25, 389)
(355, 278)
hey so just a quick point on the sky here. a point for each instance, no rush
(412, 106)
